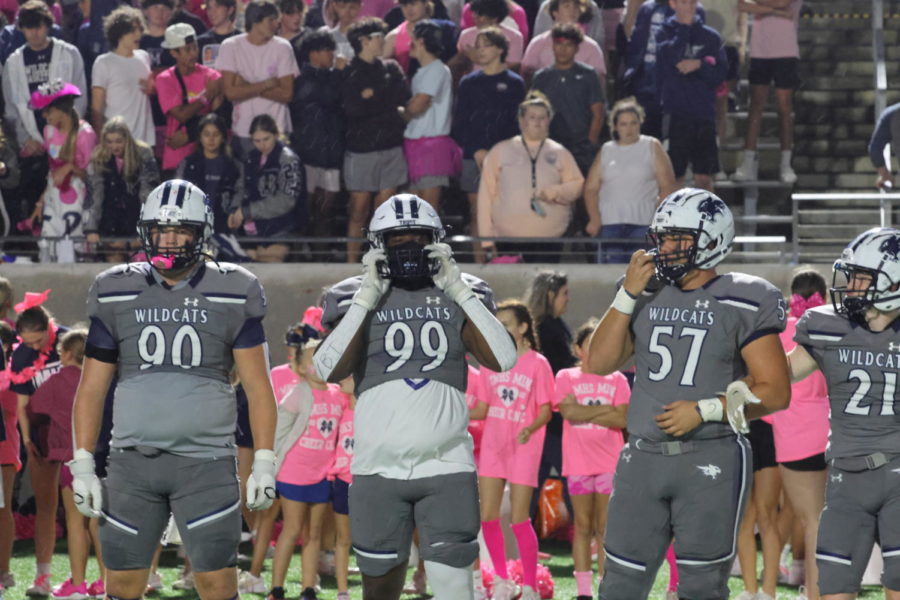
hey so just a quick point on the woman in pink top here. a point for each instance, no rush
(595, 408)
(302, 480)
(397, 42)
(801, 434)
(516, 13)
(340, 503)
(516, 405)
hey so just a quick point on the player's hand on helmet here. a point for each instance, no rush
(640, 269)
(373, 284)
(679, 418)
(261, 483)
(449, 277)
(738, 395)
(86, 489)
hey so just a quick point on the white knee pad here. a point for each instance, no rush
(449, 583)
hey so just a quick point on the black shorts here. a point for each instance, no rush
(340, 496)
(784, 72)
(734, 63)
(816, 462)
(692, 141)
(762, 445)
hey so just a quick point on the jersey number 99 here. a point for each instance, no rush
(400, 342)
(152, 347)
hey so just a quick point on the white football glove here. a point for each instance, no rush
(737, 395)
(86, 488)
(261, 483)
(373, 285)
(449, 278)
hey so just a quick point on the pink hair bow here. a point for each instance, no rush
(31, 300)
(312, 316)
(800, 305)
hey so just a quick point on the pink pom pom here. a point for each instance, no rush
(545, 584)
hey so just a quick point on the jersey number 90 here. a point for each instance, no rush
(185, 349)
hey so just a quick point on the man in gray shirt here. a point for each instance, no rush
(577, 97)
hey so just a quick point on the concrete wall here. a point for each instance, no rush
(290, 288)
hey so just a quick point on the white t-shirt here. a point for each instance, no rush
(254, 63)
(436, 81)
(121, 77)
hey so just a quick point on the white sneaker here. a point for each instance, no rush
(721, 176)
(529, 593)
(481, 593)
(761, 595)
(504, 589)
(749, 168)
(248, 583)
(801, 593)
(745, 595)
(787, 174)
(185, 582)
(154, 584)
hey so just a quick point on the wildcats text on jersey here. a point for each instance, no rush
(867, 358)
(167, 315)
(669, 314)
(414, 312)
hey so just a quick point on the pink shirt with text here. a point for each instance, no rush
(312, 457)
(343, 452)
(283, 379)
(590, 449)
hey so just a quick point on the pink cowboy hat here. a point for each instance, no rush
(50, 92)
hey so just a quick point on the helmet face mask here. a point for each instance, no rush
(696, 214)
(403, 215)
(174, 204)
(867, 275)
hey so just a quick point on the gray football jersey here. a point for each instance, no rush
(687, 345)
(411, 335)
(861, 369)
(173, 347)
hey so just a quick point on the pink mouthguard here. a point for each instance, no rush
(162, 262)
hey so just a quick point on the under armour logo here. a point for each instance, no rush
(191, 301)
(626, 458)
(701, 304)
(433, 300)
(893, 347)
(837, 478)
(711, 471)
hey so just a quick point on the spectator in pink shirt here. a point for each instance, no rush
(186, 92)
(487, 13)
(539, 53)
(516, 16)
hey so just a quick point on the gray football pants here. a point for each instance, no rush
(695, 493)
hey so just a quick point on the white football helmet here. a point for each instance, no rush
(873, 257)
(703, 216)
(175, 203)
(406, 213)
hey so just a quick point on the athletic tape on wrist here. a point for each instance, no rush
(624, 302)
(333, 347)
(493, 332)
(711, 410)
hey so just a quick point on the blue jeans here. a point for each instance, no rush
(620, 252)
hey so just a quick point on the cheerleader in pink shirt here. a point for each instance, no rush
(516, 405)
(302, 480)
(595, 408)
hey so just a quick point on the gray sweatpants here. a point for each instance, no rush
(696, 494)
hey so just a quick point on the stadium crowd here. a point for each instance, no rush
(298, 120)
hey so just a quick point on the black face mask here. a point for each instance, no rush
(409, 261)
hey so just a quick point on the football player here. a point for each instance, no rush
(171, 329)
(693, 334)
(856, 344)
(402, 330)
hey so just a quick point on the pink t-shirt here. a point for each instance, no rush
(169, 92)
(283, 379)
(516, 44)
(401, 45)
(590, 449)
(343, 452)
(311, 457)
(476, 428)
(85, 140)
(539, 54)
(254, 63)
(517, 14)
(801, 430)
(776, 37)
(514, 398)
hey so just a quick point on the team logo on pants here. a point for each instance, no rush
(711, 471)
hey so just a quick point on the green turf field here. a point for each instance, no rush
(560, 565)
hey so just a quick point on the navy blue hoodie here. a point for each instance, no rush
(692, 95)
